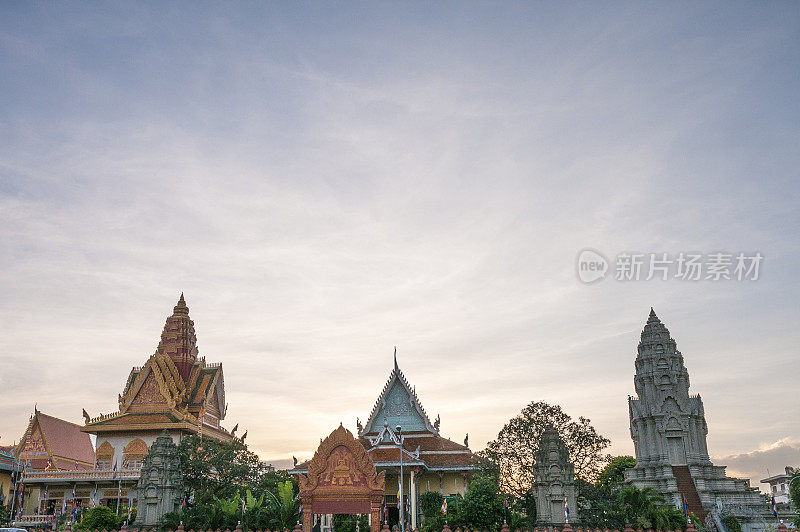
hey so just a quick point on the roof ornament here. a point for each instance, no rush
(235, 428)
(294, 459)
(466, 441)
(359, 425)
(395, 358)
(244, 436)
(86, 416)
(437, 423)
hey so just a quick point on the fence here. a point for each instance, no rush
(505, 528)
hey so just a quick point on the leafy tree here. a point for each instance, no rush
(515, 448)
(794, 494)
(430, 503)
(222, 469)
(482, 507)
(285, 504)
(100, 518)
(645, 509)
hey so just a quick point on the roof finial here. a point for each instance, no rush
(395, 358)
(652, 318)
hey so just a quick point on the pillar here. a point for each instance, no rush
(375, 515)
(413, 496)
(308, 515)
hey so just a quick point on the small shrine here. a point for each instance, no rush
(160, 486)
(554, 480)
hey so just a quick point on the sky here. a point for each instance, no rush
(326, 181)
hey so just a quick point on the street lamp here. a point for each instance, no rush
(401, 502)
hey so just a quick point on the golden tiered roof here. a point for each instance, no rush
(174, 388)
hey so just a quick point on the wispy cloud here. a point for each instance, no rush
(327, 183)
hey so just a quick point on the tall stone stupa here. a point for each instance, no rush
(669, 430)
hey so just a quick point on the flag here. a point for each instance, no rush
(114, 474)
(183, 504)
(124, 463)
(49, 465)
(566, 508)
(444, 506)
(774, 508)
(385, 513)
(73, 492)
(300, 511)
(685, 506)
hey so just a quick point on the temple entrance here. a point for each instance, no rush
(341, 479)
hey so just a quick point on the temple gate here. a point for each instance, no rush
(341, 479)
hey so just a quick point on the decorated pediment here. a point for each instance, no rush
(34, 445)
(398, 404)
(341, 464)
(149, 396)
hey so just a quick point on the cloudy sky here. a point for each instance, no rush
(326, 181)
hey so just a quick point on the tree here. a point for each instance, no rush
(794, 494)
(597, 502)
(219, 468)
(645, 509)
(99, 518)
(285, 504)
(430, 503)
(514, 450)
(482, 507)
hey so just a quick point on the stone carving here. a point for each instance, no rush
(669, 430)
(554, 480)
(160, 486)
(341, 478)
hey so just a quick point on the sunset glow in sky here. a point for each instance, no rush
(325, 182)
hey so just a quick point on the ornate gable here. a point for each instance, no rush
(398, 404)
(34, 444)
(149, 393)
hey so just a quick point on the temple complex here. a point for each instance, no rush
(174, 391)
(554, 480)
(668, 428)
(430, 462)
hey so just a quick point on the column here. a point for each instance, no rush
(308, 515)
(412, 485)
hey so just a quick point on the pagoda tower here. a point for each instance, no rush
(178, 340)
(669, 430)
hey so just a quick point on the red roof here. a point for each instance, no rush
(66, 440)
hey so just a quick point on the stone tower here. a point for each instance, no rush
(554, 480)
(668, 428)
(160, 487)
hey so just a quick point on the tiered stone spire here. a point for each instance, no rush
(178, 339)
(554, 477)
(669, 430)
(668, 425)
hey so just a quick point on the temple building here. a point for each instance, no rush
(669, 429)
(51, 447)
(10, 467)
(174, 391)
(430, 462)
